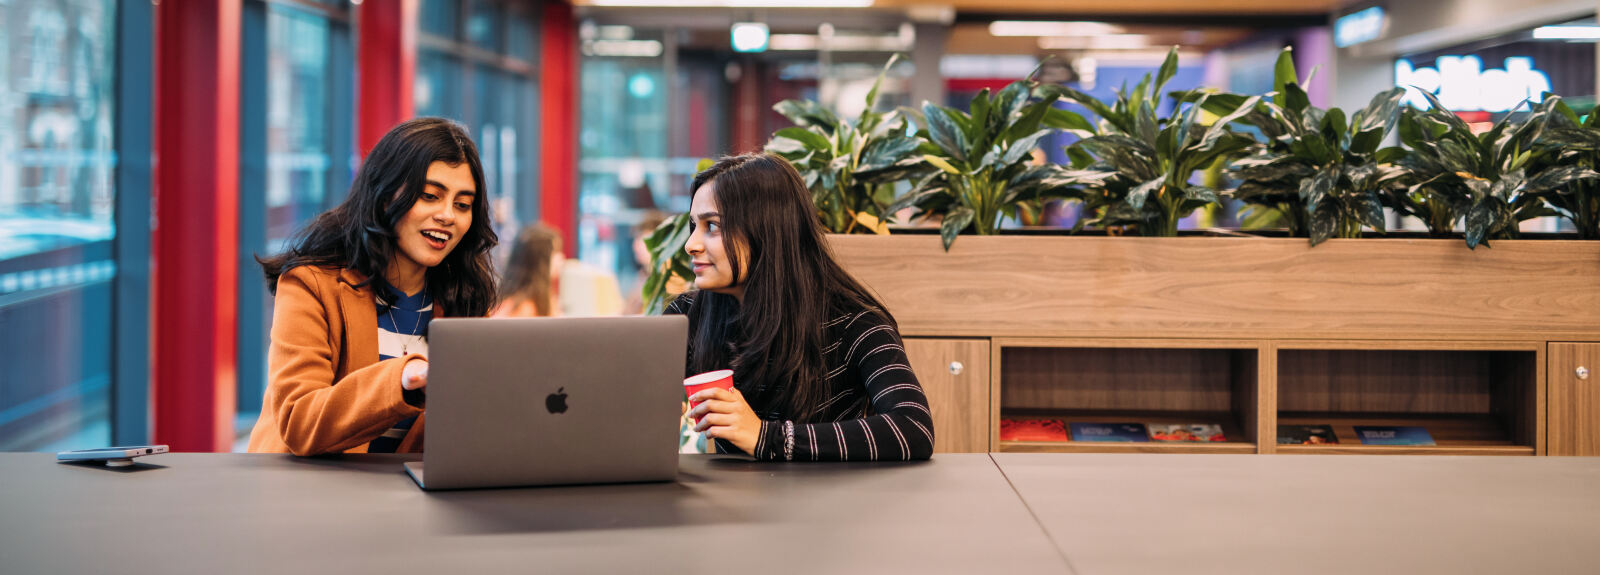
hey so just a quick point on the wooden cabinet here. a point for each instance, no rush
(955, 375)
(1574, 415)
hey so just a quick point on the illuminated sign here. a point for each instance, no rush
(1462, 84)
(1357, 27)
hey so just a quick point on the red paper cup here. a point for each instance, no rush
(695, 384)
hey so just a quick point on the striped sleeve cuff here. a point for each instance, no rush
(769, 444)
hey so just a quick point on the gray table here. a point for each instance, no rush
(1194, 514)
(241, 513)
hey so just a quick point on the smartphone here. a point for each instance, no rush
(113, 456)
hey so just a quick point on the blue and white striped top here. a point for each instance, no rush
(402, 330)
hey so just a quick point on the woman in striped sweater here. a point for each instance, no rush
(819, 370)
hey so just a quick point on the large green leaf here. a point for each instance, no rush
(667, 259)
(980, 106)
(807, 137)
(1009, 102)
(1067, 120)
(1283, 75)
(882, 153)
(1560, 177)
(1267, 168)
(1139, 194)
(944, 131)
(1169, 68)
(1380, 113)
(1095, 105)
(1333, 124)
(1023, 148)
(1316, 187)
(1480, 220)
(1573, 138)
(808, 113)
(1441, 114)
(1367, 142)
(1324, 222)
(954, 223)
(1370, 208)
(872, 95)
(1220, 128)
(792, 150)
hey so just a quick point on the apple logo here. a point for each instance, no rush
(557, 402)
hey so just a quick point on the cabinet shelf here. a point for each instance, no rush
(1230, 429)
(1473, 400)
(1453, 434)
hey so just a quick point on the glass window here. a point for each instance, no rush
(57, 166)
(298, 157)
(496, 100)
(626, 167)
(484, 25)
(521, 34)
(437, 85)
(439, 18)
(297, 106)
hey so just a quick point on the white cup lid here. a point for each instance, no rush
(707, 377)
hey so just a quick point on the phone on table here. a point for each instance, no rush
(112, 456)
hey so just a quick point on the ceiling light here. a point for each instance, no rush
(1567, 33)
(1035, 28)
(1106, 42)
(749, 37)
(792, 42)
(624, 48)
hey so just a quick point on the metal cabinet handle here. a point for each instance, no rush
(1582, 372)
(956, 367)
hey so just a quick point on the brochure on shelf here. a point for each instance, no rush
(1032, 430)
(1393, 435)
(1110, 432)
(1186, 432)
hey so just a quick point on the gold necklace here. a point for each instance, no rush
(405, 345)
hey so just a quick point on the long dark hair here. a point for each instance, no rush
(528, 271)
(774, 340)
(359, 234)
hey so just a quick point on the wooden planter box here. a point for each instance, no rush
(1483, 347)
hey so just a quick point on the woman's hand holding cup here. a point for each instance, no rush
(720, 411)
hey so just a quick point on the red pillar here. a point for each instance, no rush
(386, 55)
(748, 108)
(558, 116)
(195, 238)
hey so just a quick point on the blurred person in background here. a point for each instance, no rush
(533, 275)
(641, 258)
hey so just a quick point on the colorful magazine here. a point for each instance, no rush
(1110, 432)
(1032, 430)
(1392, 435)
(1186, 432)
(1307, 435)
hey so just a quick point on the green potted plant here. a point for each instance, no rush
(1493, 180)
(982, 158)
(1572, 146)
(1324, 174)
(850, 167)
(1142, 163)
(667, 258)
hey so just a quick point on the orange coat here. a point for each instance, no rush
(326, 390)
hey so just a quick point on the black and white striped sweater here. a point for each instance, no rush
(876, 409)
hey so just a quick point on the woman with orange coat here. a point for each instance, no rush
(347, 367)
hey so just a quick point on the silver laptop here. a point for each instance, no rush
(552, 401)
